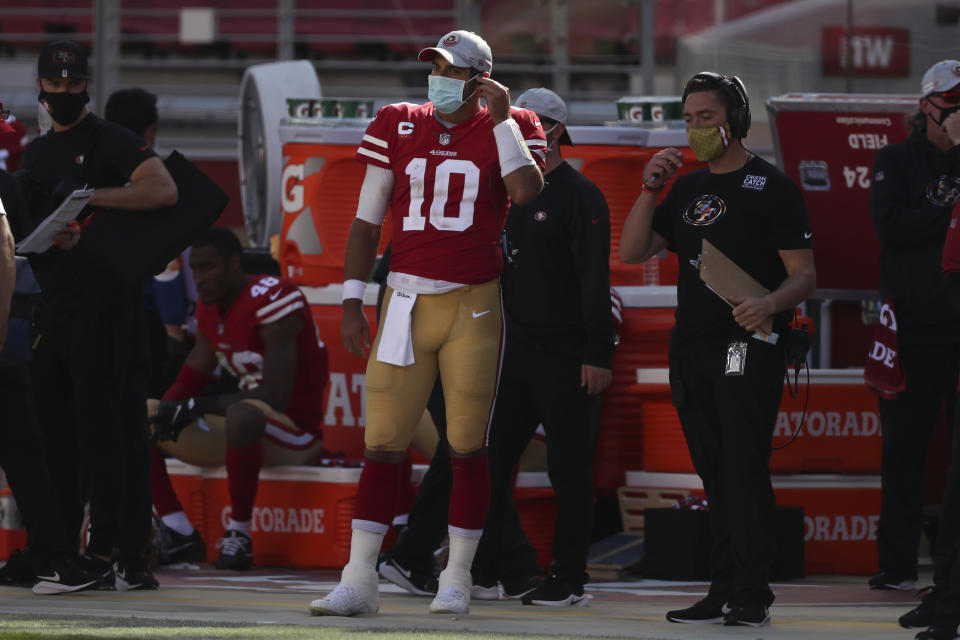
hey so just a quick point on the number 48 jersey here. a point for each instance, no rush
(449, 202)
(235, 337)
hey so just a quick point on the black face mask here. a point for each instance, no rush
(944, 114)
(64, 107)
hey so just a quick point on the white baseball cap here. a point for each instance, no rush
(462, 49)
(546, 104)
(943, 76)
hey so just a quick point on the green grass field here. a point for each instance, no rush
(24, 627)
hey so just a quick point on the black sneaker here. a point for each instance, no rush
(921, 616)
(557, 592)
(236, 551)
(940, 632)
(176, 548)
(516, 588)
(893, 580)
(710, 610)
(747, 615)
(134, 575)
(103, 569)
(63, 574)
(18, 572)
(417, 582)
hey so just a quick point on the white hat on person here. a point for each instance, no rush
(546, 104)
(462, 49)
(943, 76)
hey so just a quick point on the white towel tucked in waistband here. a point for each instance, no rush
(396, 338)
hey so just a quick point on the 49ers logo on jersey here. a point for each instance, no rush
(704, 210)
(945, 191)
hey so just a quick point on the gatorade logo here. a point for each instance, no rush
(843, 528)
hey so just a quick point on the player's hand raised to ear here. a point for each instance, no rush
(497, 97)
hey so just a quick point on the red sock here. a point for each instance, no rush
(406, 493)
(164, 498)
(243, 473)
(377, 492)
(470, 497)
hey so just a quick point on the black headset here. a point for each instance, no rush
(738, 113)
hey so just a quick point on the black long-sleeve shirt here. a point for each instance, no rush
(556, 277)
(915, 186)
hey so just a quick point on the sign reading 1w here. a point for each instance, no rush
(873, 51)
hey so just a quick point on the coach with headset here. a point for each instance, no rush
(725, 380)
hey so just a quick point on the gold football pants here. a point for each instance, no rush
(459, 334)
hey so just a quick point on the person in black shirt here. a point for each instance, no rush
(915, 185)
(726, 384)
(49, 563)
(90, 350)
(560, 342)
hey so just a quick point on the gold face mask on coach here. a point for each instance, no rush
(709, 142)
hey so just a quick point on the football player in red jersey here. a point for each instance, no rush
(446, 168)
(260, 330)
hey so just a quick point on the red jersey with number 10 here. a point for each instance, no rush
(235, 337)
(449, 202)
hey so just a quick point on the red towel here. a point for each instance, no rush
(883, 371)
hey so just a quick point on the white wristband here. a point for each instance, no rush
(353, 289)
(513, 151)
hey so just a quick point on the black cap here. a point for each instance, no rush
(63, 59)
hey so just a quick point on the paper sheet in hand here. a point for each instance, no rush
(42, 237)
(726, 279)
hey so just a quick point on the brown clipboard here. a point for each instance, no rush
(726, 279)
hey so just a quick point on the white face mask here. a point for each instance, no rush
(546, 134)
(446, 94)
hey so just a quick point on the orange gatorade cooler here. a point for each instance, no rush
(841, 432)
(301, 517)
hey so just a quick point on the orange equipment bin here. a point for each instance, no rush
(13, 536)
(840, 515)
(841, 433)
(644, 336)
(301, 517)
(320, 185)
(614, 158)
(344, 418)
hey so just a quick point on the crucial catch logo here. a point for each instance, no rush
(754, 182)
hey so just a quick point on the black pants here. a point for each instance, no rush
(427, 523)
(537, 387)
(946, 553)
(90, 385)
(728, 423)
(907, 424)
(22, 459)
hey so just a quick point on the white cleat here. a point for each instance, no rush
(358, 592)
(453, 593)
(481, 592)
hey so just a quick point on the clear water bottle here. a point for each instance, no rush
(651, 272)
